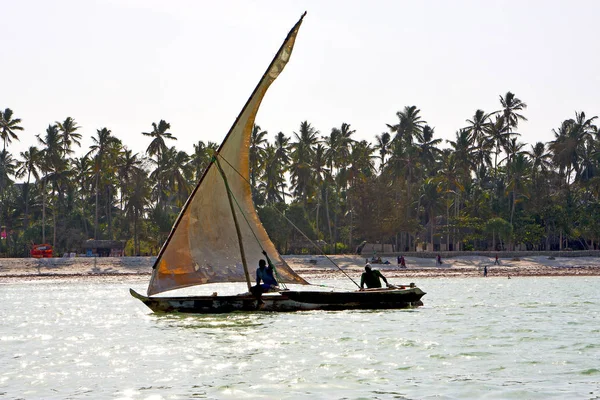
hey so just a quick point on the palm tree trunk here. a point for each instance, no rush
(44, 211)
(414, 235)
(432, 216)
(331, 249)
(447, 225)
(317, 216)
(560, 240)
(108, 211)
(456, 244)
(83, 218)
(54, 227)
(136, 244)
(512, 213)
(351, 221)
(408, 181)
(26, 216)
(96, 217)
(158, 174)
(55, 206)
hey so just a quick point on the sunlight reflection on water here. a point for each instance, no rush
(474, 338)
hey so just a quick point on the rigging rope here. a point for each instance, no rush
(277, 276)
(291, 223)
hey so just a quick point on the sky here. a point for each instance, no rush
(124, 64)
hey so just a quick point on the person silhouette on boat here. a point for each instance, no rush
(264, 274)
(371, 278)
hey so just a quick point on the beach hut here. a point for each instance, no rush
(103, 248)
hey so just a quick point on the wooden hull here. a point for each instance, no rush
(288, 301)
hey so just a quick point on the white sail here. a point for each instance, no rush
(203, 245)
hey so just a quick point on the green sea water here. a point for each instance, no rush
(474, 338)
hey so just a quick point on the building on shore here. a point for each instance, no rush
(103, 248)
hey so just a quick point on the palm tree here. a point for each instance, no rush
(450, 178)
(272, 181)
(302, 155)
(29, 166)
(100, 149)
(540, 164)
(7, 169)
(512, 148)
(258, 141)
(174, 173)
(129, 165)
(498, 136)
(410, 125)
(586, 131)
(320, 175)
(569, 141)
(338, 146)
(383, 148)
(68, 129)
(8, 126)
(281, 159)
(463, 148)
(430, 199)
(158, 146)
(519, 178)
(201, 157)
(136, 203)
(361, 168)
(428, 148)
(511, 106)
(540, 159)
(53, 164)
(83, 171)
(480, 127)
(69, 136)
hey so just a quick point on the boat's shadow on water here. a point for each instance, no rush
(257, 319)
(212, 321)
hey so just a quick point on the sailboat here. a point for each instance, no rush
(218, 234)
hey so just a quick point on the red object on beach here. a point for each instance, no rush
(41, 251)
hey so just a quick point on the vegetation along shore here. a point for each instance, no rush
(483, 190)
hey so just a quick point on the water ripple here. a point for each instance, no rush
(499, 341)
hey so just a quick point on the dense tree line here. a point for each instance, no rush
(484, 189)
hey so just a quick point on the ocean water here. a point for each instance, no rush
(475, 338)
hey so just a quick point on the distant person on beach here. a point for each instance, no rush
(485, 270)
(371, 278)
(439, 260)
(496, 262)
(402, 262)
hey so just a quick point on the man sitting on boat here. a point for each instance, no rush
(264, 273)
(371, 278)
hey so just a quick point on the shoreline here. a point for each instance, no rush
(310, 267)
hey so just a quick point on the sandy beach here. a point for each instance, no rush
(311, 267)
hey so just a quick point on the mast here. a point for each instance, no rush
(235, 222)
(199, 247)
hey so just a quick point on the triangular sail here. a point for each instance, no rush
(203, 246)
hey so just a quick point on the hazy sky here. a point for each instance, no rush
(124, 64)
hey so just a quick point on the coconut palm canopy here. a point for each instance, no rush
(402, 187)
